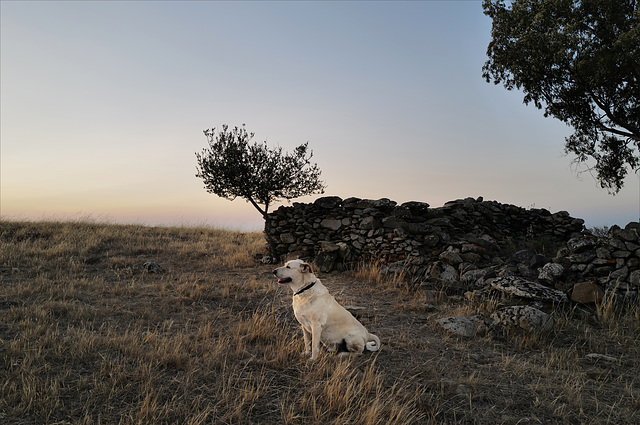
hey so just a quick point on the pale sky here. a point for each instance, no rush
(103, 104)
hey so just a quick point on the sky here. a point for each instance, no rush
(103, 106)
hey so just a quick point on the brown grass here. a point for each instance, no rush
(87, 336)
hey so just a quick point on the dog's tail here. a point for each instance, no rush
(373, 343)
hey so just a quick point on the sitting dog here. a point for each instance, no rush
(322, 318)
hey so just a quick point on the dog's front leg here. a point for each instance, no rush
(316, 332)
(307, 342)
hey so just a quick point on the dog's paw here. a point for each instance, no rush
(306, 353)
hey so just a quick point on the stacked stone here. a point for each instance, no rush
(334, 231)
(612, 263)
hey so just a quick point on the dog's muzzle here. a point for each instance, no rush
(283, 280)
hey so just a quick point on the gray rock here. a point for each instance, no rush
(598, 356)
(328, 202)
(524, 288)
(551, 272)
(451, 256)
(463, 326)
(522, 256)
(287, 238)
(523, 317)
(151, 267)
(331, 224)
(329, 246)
(324, 261)
(442, 272)
(370, 223)
(577, 245)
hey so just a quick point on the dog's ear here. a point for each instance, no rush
(305, 268)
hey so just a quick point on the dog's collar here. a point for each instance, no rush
(306, 287)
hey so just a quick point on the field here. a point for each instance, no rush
(88, 335)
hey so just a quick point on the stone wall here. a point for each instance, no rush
(462, 245)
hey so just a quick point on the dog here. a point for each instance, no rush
(322, 318)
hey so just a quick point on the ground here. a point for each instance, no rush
(89, 336)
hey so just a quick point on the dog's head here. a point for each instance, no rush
(295, 273)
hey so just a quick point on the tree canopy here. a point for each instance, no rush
(580, 61)
(234, 167)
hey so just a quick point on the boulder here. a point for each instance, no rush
(463, 326)
(442, 272)
(551, 272)
(522, 256)
(151, 267)
(524, 288)
(328, 202)
(331, 224)
(524, 317)
(586, 293)
(324, 261)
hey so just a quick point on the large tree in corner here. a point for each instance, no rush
(233, 167)
(580, 60)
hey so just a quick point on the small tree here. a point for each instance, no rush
(233, 167)
(580, 60)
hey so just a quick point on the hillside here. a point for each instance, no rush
(92, 331)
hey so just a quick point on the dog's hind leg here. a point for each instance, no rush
(355, 344)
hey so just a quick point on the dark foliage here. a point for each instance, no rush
(580, 60)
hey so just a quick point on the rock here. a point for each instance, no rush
(522, 256)
(472, 276)
(578, 245)
(442, 272)
(344, 251)
(151, 267)
(328, 202)
(287, 238)
(331, 224)
(451, 256)
(597, 356)
(537, 261)
(463, 326)
(415, 206)
(324, 261)
(523, 317)
(370, 223)
(551, 272)
(524, 288)
(586, 293)
(329, 246)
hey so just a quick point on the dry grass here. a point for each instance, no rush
(87, 336)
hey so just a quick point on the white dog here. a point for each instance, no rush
(322, 318)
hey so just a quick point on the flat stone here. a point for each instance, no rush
(463, 326)
(598, 356)
(523, 317)
(578, 245)
(551, 272)
(287, 238)
(524, 288)
(586, 293)
(328, 202)
(442, 271)
(331, 224)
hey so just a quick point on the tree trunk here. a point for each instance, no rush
(273, 251)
